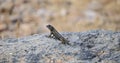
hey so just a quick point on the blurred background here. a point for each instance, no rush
(19, 18)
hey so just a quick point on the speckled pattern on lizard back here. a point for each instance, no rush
(57, 35)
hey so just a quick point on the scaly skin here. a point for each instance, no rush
(58, 36)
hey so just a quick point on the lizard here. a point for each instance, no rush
(54, 33)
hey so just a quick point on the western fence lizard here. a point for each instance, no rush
(58, 36)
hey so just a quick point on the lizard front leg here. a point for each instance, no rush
(51, 35)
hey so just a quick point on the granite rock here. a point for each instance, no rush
(95, 46)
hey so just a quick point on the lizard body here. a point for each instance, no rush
(54, 32)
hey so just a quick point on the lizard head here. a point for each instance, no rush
(50, 27)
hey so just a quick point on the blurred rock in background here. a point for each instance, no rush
(20, 18)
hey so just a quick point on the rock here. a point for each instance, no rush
(109, 61)
(41, 49)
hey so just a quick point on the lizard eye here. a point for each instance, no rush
(50, 27)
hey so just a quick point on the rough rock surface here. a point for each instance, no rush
(96, 46)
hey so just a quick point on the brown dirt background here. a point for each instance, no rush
(19, 18)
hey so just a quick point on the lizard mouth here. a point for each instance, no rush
(48, 26)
